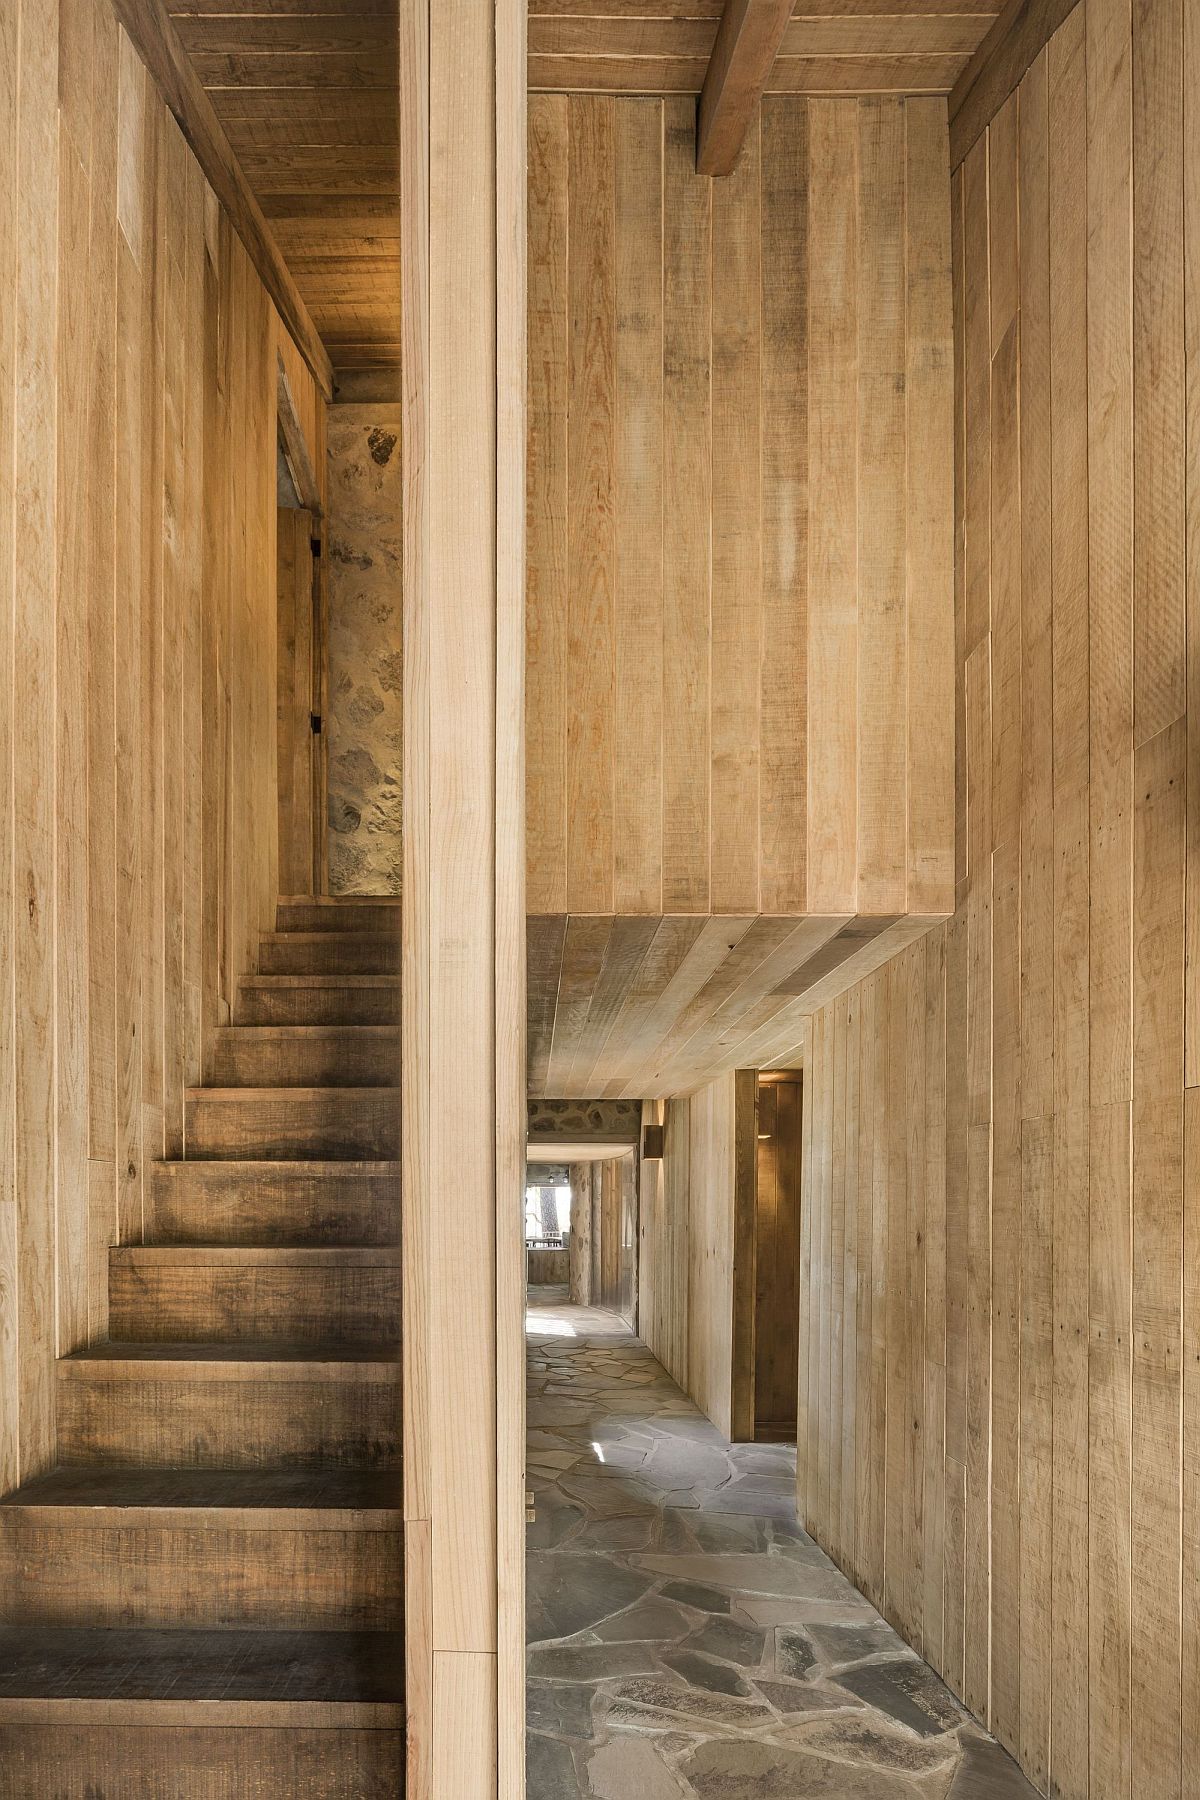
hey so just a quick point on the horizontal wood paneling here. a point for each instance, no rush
(739, 602)
(137, 642)
(1024, 1084)
(829, 46)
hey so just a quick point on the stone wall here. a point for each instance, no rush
(365, 655)
(570, 1119)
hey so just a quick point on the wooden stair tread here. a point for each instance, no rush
(305, 1034)
(233, 1168)
(324, 937)
(292, 1667)
(316, 1493)
(288, 1096)
(231, 1360)
(337, 980)
(335, 900)
(259, 1256)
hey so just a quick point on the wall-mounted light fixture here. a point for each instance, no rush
(652, 1143)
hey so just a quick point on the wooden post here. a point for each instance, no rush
(463, 1064)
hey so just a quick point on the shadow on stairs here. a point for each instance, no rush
(204, 1598)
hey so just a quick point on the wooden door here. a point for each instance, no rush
(777, 1260)
(298, 711)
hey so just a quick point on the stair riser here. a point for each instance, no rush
(166, 1303)
(341, 1005)
(337, 1124)
(178, 1762)
(383, 920)
(183, 1577)
(196, 1203)
(329, 953)
(223, 1424)
(348, 1060)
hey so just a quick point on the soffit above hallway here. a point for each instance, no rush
(647, 1008)
(307, 92)
(830, 46)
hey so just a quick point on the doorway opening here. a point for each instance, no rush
(768, 1202)
(780, 1102)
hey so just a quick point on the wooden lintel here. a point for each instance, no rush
(157, 43)
(748, 40)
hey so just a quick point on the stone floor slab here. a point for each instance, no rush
(688, 1639)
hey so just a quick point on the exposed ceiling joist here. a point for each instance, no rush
(748, 41)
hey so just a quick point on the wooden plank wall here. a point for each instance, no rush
(687, 1238)
(713, 665)
(1000, 1430)
(137, 645)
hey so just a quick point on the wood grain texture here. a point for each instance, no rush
(309, 105)
(714, 658)
(149, 611)
(465, 315)
(158, 44)
(1047, 1096)
(851, 46)
(748, 39)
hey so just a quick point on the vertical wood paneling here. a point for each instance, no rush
(783, 836)
(10, 1234)
(687, 513)
(638, 770)
(879, 266)
(546, 513)
(1035, 939)
(33, 765)
(736, 639)
(1049, 1087)
(116, 517)
(929, 510)
(704, 714)
(833, 426)
(591, 723)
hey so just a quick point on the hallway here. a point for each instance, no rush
(687, 1639)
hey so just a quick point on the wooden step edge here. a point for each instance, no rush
(304, 1034)
(257, 1256)
(112, 1516)
(185, 1363)
(335, 900)
(340, 1715)
(258, 1096)
(344, 979)
(359, 1168)
(326, 937)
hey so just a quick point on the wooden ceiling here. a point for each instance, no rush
(626, 1008)
(829, 47)
(308, 94)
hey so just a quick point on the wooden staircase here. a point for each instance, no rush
(203, 1600)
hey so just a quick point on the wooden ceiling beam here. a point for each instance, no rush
(157, 42)
(748, 41)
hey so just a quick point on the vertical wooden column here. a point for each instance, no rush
(580, 1177)
(463, 225)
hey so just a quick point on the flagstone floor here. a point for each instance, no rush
(688, 1641)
